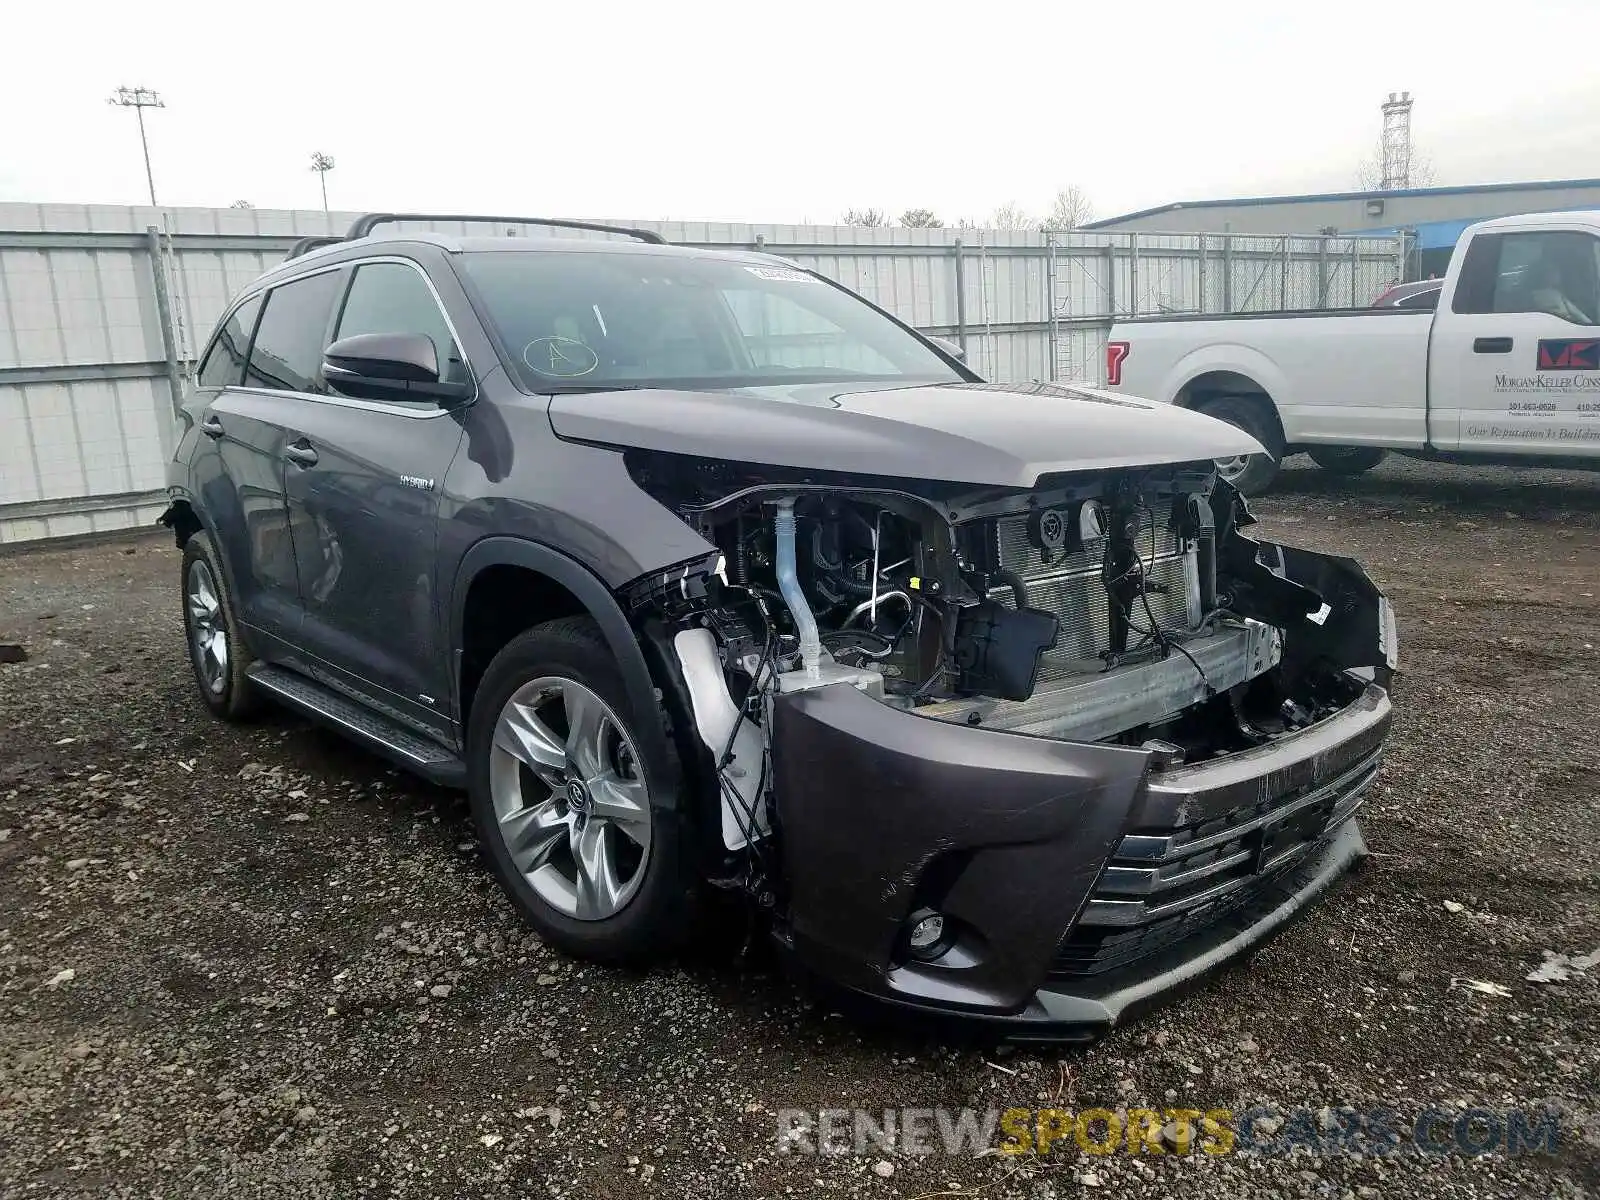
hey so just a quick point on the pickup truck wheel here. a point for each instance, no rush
(216, 651)
(1346, 460)
(1250, 473)
(565, 803)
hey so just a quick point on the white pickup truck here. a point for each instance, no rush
(1507, 368)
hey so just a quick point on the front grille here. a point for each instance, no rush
(1162, 886)
(1071, 588)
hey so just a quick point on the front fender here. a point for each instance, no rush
(583, 584)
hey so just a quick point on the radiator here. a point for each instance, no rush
(1071, 587)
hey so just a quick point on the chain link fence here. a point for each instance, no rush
(104, 310)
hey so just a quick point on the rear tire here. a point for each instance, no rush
(565, 793)
(1254, 472)
(1347, 460)
(211, 628)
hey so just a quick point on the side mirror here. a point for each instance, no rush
(953, 349)
(389, 366)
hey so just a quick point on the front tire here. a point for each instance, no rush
(217, 651)
(573, 802)
(1249, 473)
(1347, 460)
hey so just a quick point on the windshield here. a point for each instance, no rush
(585, 320)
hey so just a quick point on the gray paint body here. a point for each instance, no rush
(961, 433)
(351, 532)
(349, 568)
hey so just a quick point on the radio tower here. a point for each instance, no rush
(1396, 166)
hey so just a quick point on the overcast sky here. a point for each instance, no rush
(780, 110)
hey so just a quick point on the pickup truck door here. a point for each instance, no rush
(363, 497)
(1514, 365)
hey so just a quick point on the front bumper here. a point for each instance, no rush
(1076, 882)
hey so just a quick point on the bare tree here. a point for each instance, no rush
(920, 218)
(1071, 209)
(1369, 171)
(241, 204)
(1013, 216)
(872, 218)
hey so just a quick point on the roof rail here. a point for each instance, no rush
(307, 244)
(366, 224)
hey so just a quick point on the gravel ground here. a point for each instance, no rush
(257, 962)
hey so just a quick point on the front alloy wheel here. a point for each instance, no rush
(570, 802)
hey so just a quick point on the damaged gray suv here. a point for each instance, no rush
(705, 577)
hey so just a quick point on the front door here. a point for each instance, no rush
(1515, 359)
(363, 496)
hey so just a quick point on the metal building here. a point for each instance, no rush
(1421, 209)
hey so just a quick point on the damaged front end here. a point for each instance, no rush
(1027, 756)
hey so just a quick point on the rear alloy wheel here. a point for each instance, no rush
(574, 802)
(1347, 460)
(1250, 473)
(216, 651)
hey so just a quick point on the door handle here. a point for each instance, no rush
(1491, 345)
(211, 427)
(301, 453)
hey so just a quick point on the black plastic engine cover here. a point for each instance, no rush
(997, 649)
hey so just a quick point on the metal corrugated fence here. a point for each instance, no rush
(104, 310)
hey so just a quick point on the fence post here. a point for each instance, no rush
(1283, 276)
(1050, 304)
(1133, 274)
(1227, 272)
(1322, 272)
(1111, 280)
(169, 341)
(961, 296)
(1355, 269)
(1201, 307)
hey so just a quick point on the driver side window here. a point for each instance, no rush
(390, 297)
(1550, 272)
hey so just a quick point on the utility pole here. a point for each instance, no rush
(1396, 164)
(139, 99)
(322, 163)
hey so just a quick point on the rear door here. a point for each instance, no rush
(248, 422)
(363, 496)
(1515, 362)
(237, 473)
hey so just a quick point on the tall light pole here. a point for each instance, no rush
(139, 99)
(322, 163)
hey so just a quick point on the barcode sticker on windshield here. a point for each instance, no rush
(780, 274)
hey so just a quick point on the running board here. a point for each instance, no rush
(394, 741)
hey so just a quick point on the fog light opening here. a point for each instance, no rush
(925, 936)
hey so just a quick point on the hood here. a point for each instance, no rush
(978, 433)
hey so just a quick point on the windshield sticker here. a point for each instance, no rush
(781, 274)
(560, 357)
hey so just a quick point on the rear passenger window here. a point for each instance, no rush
(287, 354)
(225, 360)
(391, 297)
